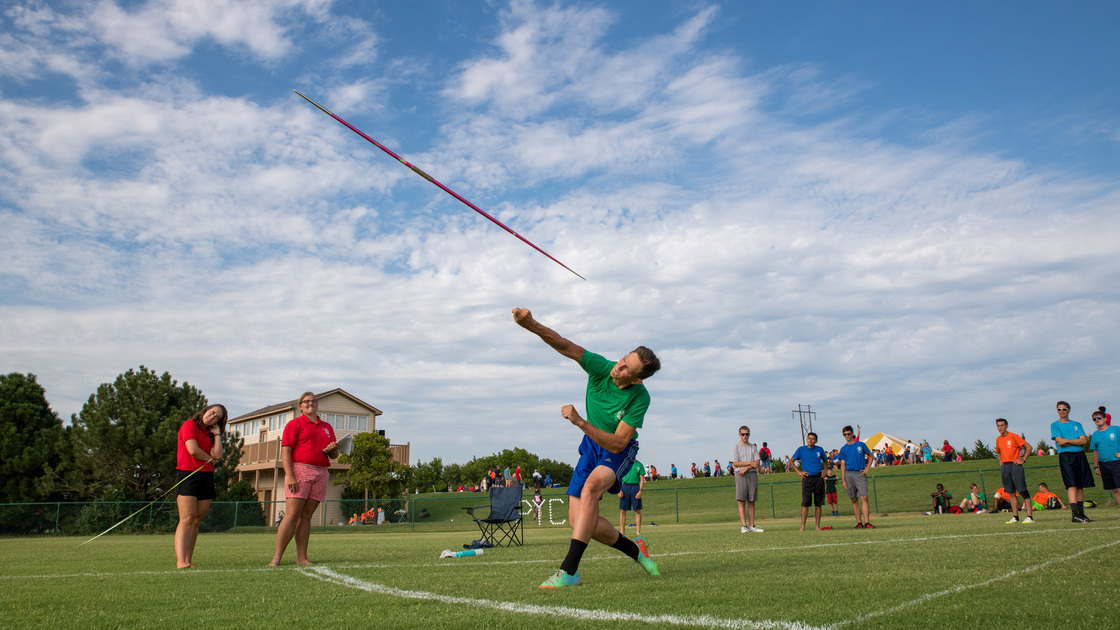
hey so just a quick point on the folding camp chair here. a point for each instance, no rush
(503, 527)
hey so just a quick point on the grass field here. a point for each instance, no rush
(913, 571)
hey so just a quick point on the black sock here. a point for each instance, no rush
(575, 554)
(1078, 509)
(626, 546)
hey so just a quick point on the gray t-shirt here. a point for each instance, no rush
(745, 453)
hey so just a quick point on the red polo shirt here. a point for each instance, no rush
(183, 459)
(307, 440)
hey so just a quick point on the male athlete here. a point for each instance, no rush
(616, 407)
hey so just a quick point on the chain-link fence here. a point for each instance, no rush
(891, 490)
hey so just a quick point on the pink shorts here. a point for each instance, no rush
(312, 482)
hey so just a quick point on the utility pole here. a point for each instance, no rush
(804, 416)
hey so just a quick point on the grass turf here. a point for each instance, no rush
(922, 570)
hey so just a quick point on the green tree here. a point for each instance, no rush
(429, 477)
(124, 439)
(473, 471)
(453, 476)
(238, 505)
(31, 438)
(372, 469)
(981, 451)
(224, 474)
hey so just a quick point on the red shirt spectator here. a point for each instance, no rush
(183, 459)
(307, 439)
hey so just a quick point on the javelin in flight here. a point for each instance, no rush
(429, 178)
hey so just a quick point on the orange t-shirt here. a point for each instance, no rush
(1008, 447)
(1042, 497)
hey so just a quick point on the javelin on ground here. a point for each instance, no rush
(429, 178)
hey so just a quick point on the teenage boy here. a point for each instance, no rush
(1076, 473)
(812, 459)
(744, 459)
(616, 403)
(630, 497)
(1013, 453)
(1046, 500)
(855, 459)
(1106, 453)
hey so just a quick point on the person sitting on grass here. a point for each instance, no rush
(1000, 502)
(1046, 500)
(974, 502)
(941, 499)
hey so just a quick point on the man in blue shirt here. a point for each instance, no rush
(1076, 473)
(1106, 453)
(855, 459)
(811, 458)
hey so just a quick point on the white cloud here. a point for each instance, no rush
(164, 30)
(258, 249)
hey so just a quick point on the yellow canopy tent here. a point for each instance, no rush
(880, 441)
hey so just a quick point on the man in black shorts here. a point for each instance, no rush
(812, 458)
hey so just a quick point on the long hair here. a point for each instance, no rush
(197, 417)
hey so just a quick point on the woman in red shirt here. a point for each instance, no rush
(199, 446)
(306, 447)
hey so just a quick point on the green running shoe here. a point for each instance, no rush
(560, 578)
(643, 556)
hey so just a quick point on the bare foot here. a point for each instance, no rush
(184, 566)
(802, 528)
(304, 561)
(274, 563)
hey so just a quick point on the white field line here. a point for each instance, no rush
(959, 589)
(327, 574)
(612, 556)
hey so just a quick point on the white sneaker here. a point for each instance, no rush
(744, 530)
(1028, 520)
(756, 530)
(980, 511)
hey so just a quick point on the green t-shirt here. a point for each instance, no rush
(607, 405)
(637, 471)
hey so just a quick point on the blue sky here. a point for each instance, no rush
(905, 216)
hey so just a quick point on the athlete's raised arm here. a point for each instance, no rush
(565, 347)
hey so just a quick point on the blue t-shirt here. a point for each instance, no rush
(812, 459)
(854, 456)
(1106, 443)
(1069, 430)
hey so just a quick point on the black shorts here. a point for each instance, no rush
(1110, 474)
(1076, 472)
(812, 490)
(1014, 479)
(200, 485)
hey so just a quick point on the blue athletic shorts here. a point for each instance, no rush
(629, 499)
(591, 456)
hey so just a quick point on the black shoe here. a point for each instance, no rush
(1081, 519)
